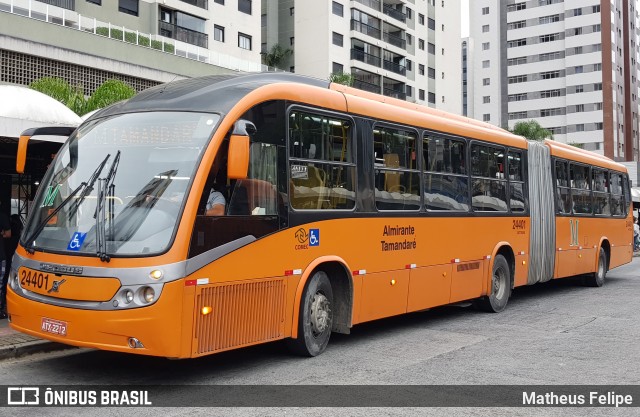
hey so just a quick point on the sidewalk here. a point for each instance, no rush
(14, 344)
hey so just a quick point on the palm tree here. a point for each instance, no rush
(111, 91)
(531, 130)
(276, 56)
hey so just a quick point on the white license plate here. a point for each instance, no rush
(54, 326)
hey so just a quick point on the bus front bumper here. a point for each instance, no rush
(157, 327)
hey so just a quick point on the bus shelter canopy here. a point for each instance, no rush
(22, 108)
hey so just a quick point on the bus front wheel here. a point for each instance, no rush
(500, 287)
(596, 279)
(316, 317)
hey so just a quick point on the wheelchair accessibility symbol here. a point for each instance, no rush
(76, 241)
(314, 237)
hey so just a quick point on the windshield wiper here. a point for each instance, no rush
(89, 187)
(84, 186)
(106, 189)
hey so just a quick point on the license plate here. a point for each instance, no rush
(54, 326)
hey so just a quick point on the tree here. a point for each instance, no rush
(111, 91)
(276, 56)
(341, 78)
(531, 130)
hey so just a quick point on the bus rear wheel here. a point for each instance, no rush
(596, 279)
(500, 287)
(316, 317)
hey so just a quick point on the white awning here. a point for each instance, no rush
(635, 194)
(22, 108)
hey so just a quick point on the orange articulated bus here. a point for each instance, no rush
(340, 207)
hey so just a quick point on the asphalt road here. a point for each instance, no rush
(555, 333)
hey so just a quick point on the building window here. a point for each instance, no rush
(486, 117)
(432, 73)
(409, 39)
(421, 95)
(486, 99)
(516, 43)
(486, 81)
(338, 9)
(597, 87)
(244, 6)
(599, 126)
(579, 69)
(431, 48)
(421, 18)
(596, 28)
(516, 7)
(128, 7)
(409, 91)
(219, 2)
(577, 50)
(244, 41)
(580, 127)
(577, 12)
(597, 67)
(550, 37)
(420, 69)
(432, 98)
(485, 28)
(98, 2)
(337, 68)
(579, 88)
(431, 24)
(486, 64)
(291, 40)
(263, 21)
(218, 33)
(579, 108)
(485, 46)
(485, 10)
(577, 31)
(549, 75)
(291, 11)
(338, 39)
(421, 44)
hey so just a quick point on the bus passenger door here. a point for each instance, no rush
(566, 247)
(429, 287)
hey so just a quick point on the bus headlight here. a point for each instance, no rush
(128, 296)
(13, 279)
(148, 294)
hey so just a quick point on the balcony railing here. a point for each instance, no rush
(171, 30)
(397, 68)
(374, 4)
(362, 56)
(364, 28)
(394, 13)
(389, 92)
(363, 85)
(204, 4)
(67, 20)
(395, 40)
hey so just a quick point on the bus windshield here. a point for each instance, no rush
(118, 185)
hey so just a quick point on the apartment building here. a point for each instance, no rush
(468, 80)
(407, 49)
(142, 42)
(571, 65)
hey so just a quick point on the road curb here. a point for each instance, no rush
(29, 348)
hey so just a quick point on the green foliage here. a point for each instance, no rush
(59, 89)
(277, 56)
(531, 130)
(130, 37)
(341, 78)
(109, 92)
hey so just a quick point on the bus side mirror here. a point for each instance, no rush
(21, 157)
(238, 156)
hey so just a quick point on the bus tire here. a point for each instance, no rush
(500, 287)
(596, 279)
(316, 317)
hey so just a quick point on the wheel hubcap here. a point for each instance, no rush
(499, 283)
(320, 313)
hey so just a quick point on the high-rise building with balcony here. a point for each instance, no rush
(571, 65)
(142, 42)
(408, 49)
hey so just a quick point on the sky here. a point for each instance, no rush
(464, 18)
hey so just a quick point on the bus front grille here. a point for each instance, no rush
(242, 314)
